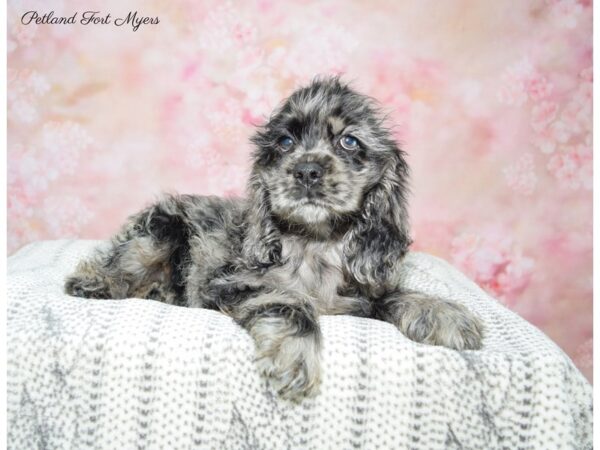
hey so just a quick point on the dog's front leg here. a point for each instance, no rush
(286, 332)
(431, 320)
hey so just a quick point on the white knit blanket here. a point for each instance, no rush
(126, 374)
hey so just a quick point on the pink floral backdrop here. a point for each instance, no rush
(492, 100)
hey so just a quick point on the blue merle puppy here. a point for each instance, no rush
(323, 230)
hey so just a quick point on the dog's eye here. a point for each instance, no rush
(349, 142)
(285, 143)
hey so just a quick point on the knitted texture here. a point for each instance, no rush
(141, 374)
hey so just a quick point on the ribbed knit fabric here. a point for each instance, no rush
(124, 374)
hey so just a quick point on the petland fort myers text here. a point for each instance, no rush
(132, 19)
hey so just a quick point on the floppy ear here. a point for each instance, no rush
(380, 237)
(261, 247)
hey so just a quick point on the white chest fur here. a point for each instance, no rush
(313, 270)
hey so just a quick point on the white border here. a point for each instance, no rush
(3, 223)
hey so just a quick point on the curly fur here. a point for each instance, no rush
(295, 248)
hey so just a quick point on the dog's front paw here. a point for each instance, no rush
(438, 322)
(291, 364)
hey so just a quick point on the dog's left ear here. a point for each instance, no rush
(261, 246)
(380, 237)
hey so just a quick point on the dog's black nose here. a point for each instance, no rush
(308, 173)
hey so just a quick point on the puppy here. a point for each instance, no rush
(323, 230)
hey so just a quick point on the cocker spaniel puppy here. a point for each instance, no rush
(323, 231)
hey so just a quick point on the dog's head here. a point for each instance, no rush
(325, 158)
(320, 152)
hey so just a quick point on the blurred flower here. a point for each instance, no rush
(512, 93)
(225, 29)
(514, 83)
(21, 35)
(573, 167)
(543, 114)
(24, 90)
(545, 141)
(22, 110)
(62, 144)
(538, 87)
(520, 176)
(38, 83)
(577, 114)
(65, 215)
(199, 155)
(560, 131)
(328, 55)
(492, 260)
(34, 174)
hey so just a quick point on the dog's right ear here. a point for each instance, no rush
(261, 247)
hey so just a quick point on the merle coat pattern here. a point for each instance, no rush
(323, 230)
